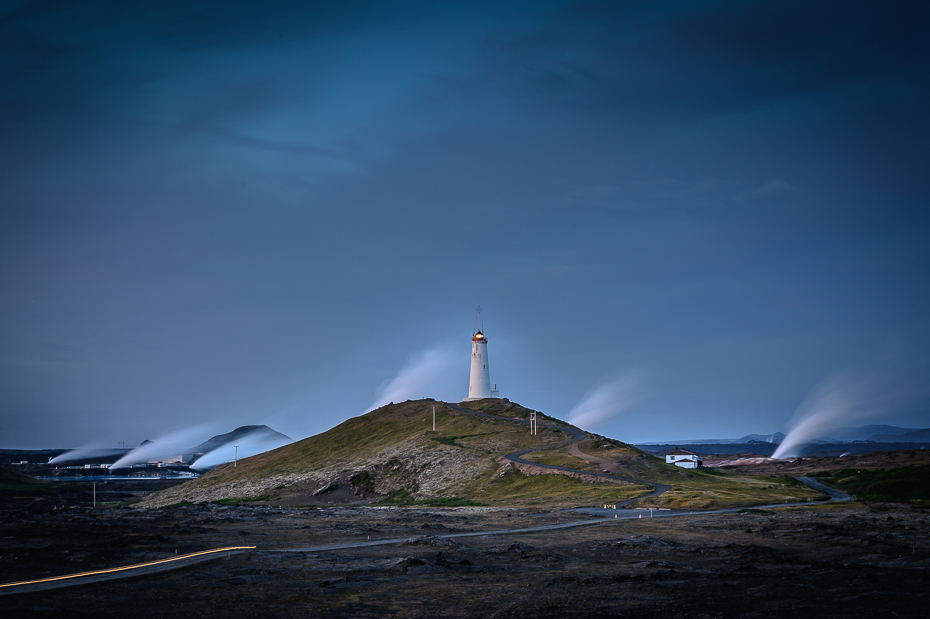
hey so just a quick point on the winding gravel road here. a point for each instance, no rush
(577, 437)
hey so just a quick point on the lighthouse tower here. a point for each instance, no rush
(479, 382)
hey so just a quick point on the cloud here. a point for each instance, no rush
(770, 192)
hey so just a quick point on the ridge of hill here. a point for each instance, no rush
(391, 455)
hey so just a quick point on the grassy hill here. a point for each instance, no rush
(897, 485)
(11, 480)
(391, 455)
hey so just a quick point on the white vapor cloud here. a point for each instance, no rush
(254, 443)
(605, 402)
(166, 446)
(425, 373)
(841, 401)
(82, 453)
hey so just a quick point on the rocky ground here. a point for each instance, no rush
(859, 560)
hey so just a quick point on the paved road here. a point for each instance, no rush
(127, 571)
(835, 495)
(577, 437)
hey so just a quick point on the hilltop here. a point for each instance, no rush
(391, 455)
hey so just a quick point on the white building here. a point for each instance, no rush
(683, 458)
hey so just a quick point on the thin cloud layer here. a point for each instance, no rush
(211, 211)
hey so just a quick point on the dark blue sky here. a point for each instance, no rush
(235, 213)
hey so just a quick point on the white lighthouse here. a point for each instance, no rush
(479, 381)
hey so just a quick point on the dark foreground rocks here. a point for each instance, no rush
(837, 561)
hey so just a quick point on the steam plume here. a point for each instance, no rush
(839, 402)
(425, 373)
(173, 444)
(85, 453)
(251, 444)
(605, 402)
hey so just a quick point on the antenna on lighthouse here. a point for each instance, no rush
(478, 309)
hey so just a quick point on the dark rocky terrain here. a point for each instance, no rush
(850, 560)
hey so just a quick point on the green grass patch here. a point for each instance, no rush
(397, 497)
(11, 480)
(178, 504)
(240, 501)
(364, 481)
(510, 409)
(787, 480)
(705, 491)
(899, 485)
(452, 438)
(515, 488)
(450, 502)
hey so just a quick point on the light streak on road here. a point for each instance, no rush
(127, 567)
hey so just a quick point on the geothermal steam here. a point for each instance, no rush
(167, 446)
(85, 453)
(605, 402)
(425, 373)
(839, 402)
(259, 441)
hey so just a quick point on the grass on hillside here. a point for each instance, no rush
(561, 457)
(899, 485)
(404, 497)
(364, 437)
(11, 480)
(699, 490)
(515, 488)
(690, 488)
(240, 501)
(354, 446)
(451, 439)
(509, 409)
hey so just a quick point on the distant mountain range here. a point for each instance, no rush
(877, 433)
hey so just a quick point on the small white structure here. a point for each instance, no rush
(683, 458)
(479, 381)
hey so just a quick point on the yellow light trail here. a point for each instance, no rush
(127, 567)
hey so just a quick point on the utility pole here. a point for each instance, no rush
(434, 417)
(533, 423)
(95, 494)
(236, 461)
